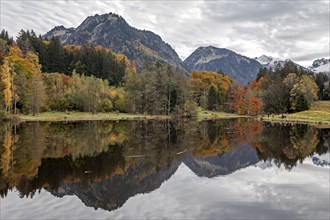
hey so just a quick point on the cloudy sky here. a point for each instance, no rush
(296, 29)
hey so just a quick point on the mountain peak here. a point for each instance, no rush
(214, 59)
(112, 17)
(212, 49)
(113, 32)
(268, 60)
(271, 63)
(319, 62)
(320, 65)
(59, 31)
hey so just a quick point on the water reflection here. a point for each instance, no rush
(106, 163)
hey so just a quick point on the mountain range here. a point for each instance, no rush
(111, 193)
(113, 32)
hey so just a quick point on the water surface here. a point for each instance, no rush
(149, 169)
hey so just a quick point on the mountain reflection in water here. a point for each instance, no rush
(106, 163)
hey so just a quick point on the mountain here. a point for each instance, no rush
(320, 66)
(59, 31)
(240, 68)
(271, 62)
(111, 193)
(227, 163)
(113, 32)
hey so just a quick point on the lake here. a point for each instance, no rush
(222, 169)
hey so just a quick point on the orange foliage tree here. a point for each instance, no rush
(237, 99)
(254, 105)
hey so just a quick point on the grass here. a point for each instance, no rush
(318, 114)
(86, 116)
(321, 106)
(312, 115)
(207, 115)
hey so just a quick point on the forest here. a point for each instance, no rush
(39, 75)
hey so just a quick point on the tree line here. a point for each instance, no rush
(86, 60)
(44, 75)
(289, 89)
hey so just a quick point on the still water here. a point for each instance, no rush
(225, 169)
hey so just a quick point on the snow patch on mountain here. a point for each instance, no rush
(59, 31)
(320, 66)
(210, 58)
(271, 62)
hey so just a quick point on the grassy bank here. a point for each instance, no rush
(319, 114)
(86, 116)
(209, 115)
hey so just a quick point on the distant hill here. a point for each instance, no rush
(238, 67)
(113, 32)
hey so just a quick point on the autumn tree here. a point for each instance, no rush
(322, 79)
(22, 80)
(3, 49)
(212, 99)
(253, 96)
(202, 81)
(237, 101)
(6, 86)
(254, 105)
(133, 86)
(36, 87)
(303, 93)
(285, 87)
(157, 90)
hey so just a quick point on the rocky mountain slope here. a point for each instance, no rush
(271, 62)
(240, 68)
(111, 193)
(59, 31)
(227, 163)
(113, 32)
(320, 66)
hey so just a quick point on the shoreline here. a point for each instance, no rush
(200, 116)
(213, 115)
(112, 116)
(317, 123)
(85, 116)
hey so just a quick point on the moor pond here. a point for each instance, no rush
(239, 168)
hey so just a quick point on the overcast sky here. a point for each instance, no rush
(286, 29)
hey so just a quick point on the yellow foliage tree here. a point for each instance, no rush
(201, 82)
(303, 93)
(6, 81)
(6, 155)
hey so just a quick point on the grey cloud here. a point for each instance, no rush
(311, 56)
(285, 29)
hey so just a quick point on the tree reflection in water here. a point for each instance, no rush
(105, 163)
